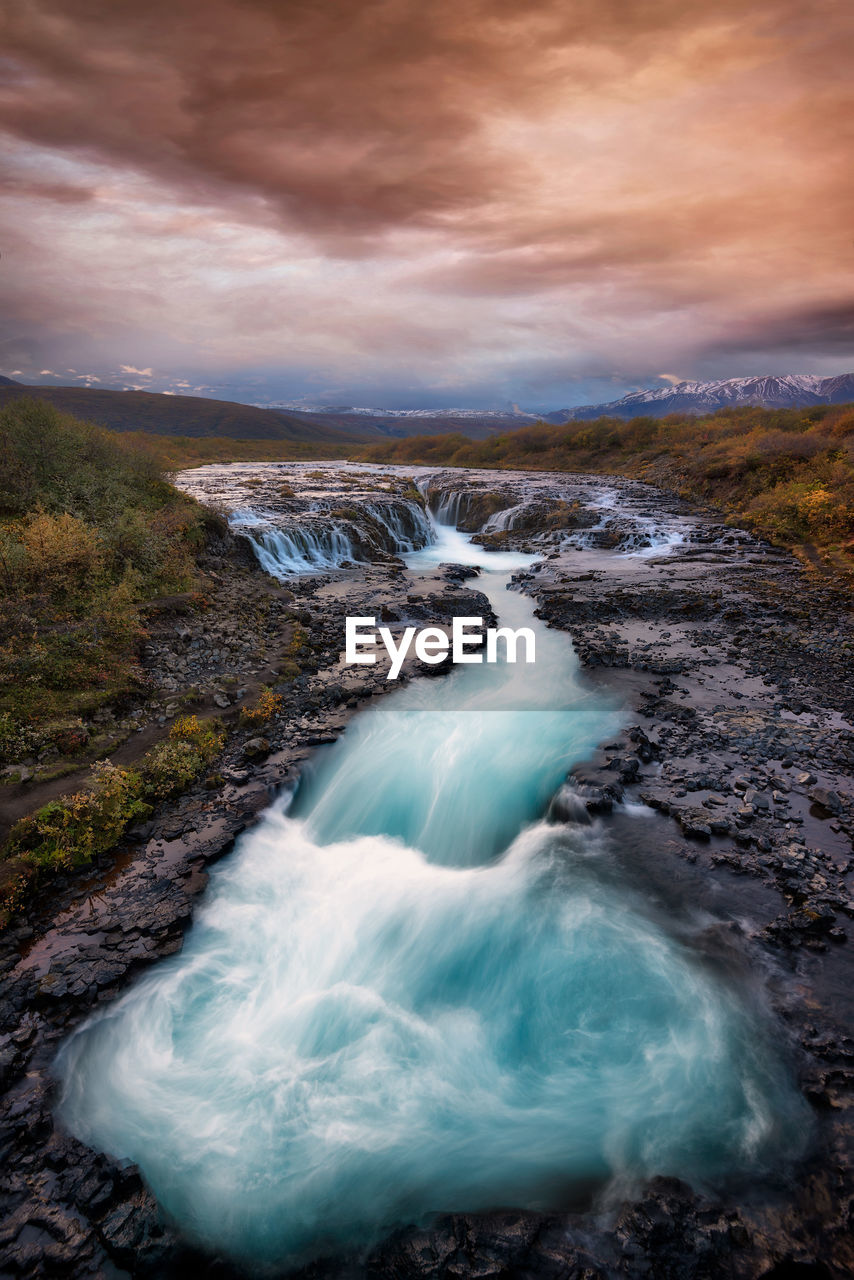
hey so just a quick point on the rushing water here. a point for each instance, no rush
(318, 540)
(407, 994)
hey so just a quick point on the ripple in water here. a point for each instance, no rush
(403, 997)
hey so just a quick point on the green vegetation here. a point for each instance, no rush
(294, 654)
(170, 767)
(71, 831)
(788, 474)
(89, 531)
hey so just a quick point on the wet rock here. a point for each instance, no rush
(758, 800)
(256, 748)
(694, 822)
(830, 800)
(569, 807)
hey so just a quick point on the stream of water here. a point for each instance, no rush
(405, 993)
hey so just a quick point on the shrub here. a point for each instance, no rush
(268, 704)
(91, 531)
(72, 830)
(207, 736)
(17, 738)
(170, 767)
(62, 552)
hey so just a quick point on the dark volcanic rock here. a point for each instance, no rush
(740, 675)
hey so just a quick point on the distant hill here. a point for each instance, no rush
(327, 426)
(788, 391)
(197, 417)
(400, 424)
(190, 416)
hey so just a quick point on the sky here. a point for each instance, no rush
(424, 203)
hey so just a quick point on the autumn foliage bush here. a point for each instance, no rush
(268, 704)
(72, 830)
(170, 767)
(89, 530)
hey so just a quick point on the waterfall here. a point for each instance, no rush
(447, 506)
(406, 994)
(504, 520)
(302, 549)
(407, 524)
(316, 540)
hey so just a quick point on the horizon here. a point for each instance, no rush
(380, 205)
(482, 410)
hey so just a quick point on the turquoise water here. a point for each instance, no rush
(408, 994)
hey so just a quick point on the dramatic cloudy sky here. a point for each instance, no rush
(425, 202)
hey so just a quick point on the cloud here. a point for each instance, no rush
(453, 189)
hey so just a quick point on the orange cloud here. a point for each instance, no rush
(491, 164)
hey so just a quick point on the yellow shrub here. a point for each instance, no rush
(60, 550)
(268, 704)
(207, 736)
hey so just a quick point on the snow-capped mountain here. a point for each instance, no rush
(786, 391)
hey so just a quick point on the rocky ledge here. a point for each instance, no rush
(735, 671)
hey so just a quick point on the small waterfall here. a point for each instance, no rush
(302, 549)
(407, 524)
(447, 507)
(317, 540)
(652, 539)
(505, 520)
(626, 531)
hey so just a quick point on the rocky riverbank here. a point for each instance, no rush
(736, 672)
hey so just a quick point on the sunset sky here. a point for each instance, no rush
(424, 202)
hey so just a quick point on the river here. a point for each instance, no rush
(406, 993)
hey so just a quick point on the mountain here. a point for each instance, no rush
(196, 417)
(331, 425)
(383, 424)
(191, 416)
(788, 391)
